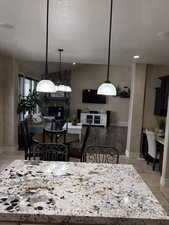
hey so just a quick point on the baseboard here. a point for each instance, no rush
(134, 155)
(8, 148)
(164, 182)
(120, 124)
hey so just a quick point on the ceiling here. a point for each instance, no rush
(81, 28)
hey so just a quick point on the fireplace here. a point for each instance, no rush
(56, 111)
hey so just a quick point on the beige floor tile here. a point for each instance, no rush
(155, 189)
(166, 194)
(161, 198)
(166, 209)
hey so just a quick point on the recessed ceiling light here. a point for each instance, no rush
(6, 26)
(163, 34)
(136, 57)
(74, 63)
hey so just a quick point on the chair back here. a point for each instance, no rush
(86, 136)
(56, 136)
(151, 143)
(61, 136)
(27, 138)
(57, 124)
(50, 152)
(101, 154)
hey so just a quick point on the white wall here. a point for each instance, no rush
(89, 77)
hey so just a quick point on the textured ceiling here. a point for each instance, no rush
(81, 28)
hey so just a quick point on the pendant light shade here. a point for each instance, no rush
(68, 89)
(46, 86)
(62, 88)
(56, 87)
(107, 88)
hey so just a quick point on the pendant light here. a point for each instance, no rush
(61, 87)
(107, 88)
(68, 89)
(46, 86)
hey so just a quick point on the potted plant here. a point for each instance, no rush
(29, 103)
(125, 93)
(73, 119)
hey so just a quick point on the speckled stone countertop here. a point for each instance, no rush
(78, 193)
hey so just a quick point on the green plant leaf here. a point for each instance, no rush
(29, 102)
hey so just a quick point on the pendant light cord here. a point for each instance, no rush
(60, 63)
(60, 66)
(47, 38)
(110, 29)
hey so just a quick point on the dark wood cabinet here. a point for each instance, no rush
(161, 97)
(164, 94)
(157, 106)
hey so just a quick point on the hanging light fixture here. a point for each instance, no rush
(107, 88)
(46, 86)
(68, 89)
(61, 86)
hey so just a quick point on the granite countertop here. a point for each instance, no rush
(67, 192)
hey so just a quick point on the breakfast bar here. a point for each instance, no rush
(36, 192)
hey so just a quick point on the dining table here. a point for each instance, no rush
(41, 192)
(73, 129)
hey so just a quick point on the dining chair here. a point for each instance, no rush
(152, 148)
(101, 154)
(57, 124)
(76, 149)
(28, 139)
(47, 124)
(50, 152)
(57, 136)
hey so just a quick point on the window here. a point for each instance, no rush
(25, 85)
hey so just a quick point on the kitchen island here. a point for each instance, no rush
(76, 193)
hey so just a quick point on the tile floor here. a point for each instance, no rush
(150, 177)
